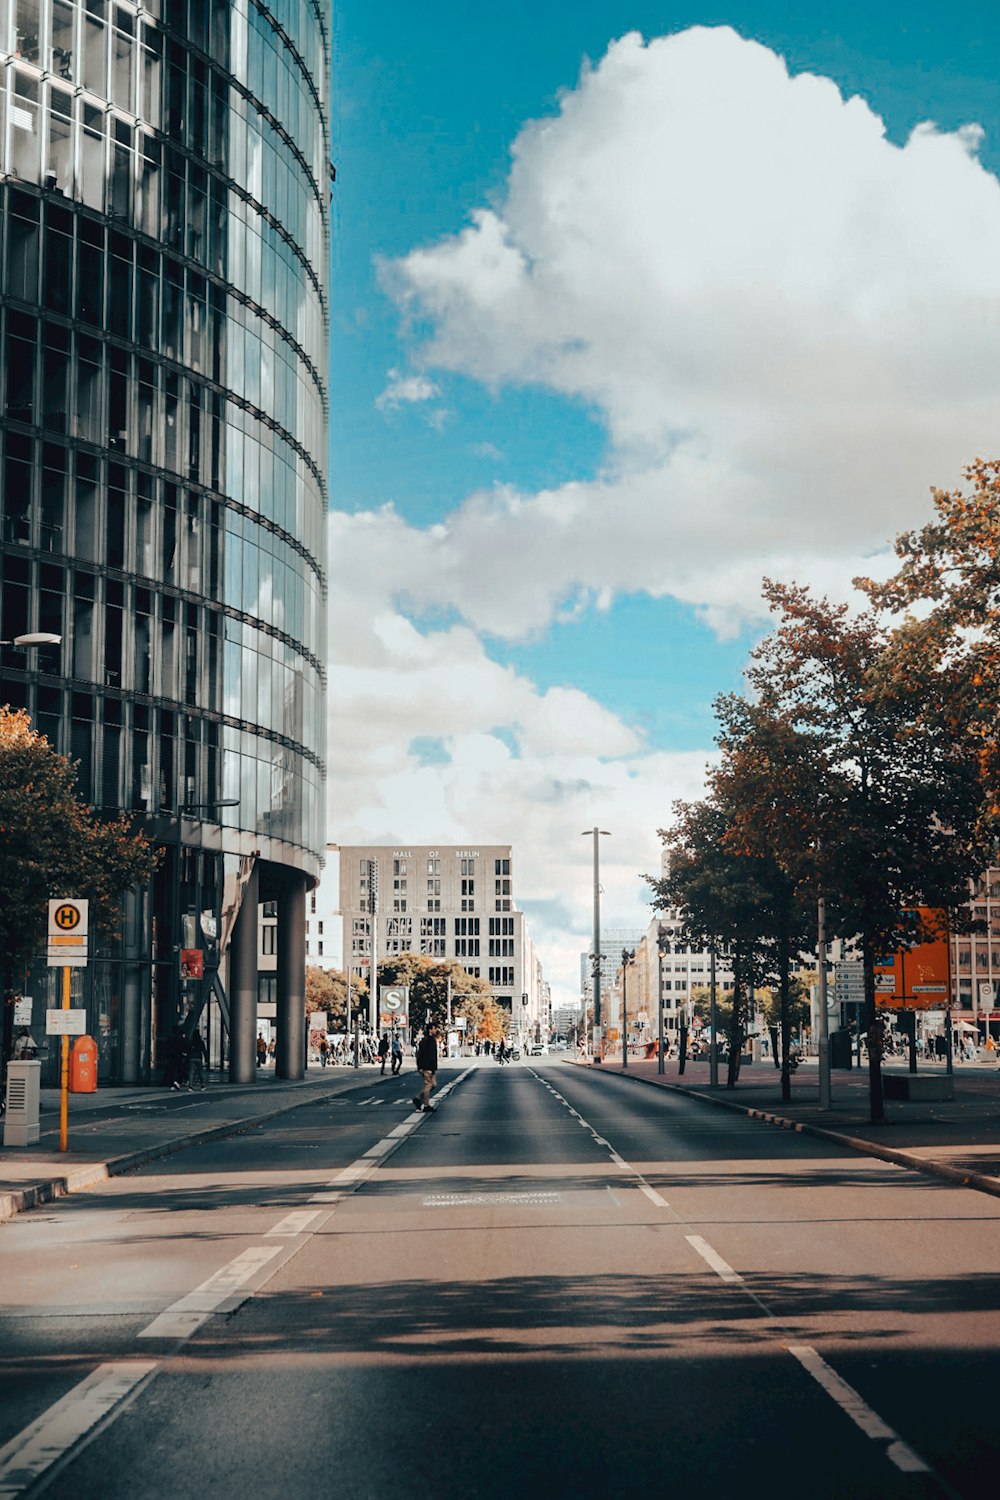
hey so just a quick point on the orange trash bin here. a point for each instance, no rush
(83, 1066)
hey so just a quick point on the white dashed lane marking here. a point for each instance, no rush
(847, 1398)
(34, 1450)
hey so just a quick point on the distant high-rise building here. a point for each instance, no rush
(164, 204)
(444, 902)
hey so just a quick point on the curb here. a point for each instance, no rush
(77, 1179)
(979, 1181)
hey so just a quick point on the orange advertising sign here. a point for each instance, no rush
(916, 978)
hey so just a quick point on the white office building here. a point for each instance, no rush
(445, 902)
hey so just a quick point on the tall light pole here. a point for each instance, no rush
(662, 947)
(596, 834)
(373, 907)
(713, 1053)
(628, 957)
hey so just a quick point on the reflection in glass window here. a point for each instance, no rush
(92, 158)
(59, 154)
(25, 155)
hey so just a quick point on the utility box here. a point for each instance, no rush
(841, 1049)
(20, 1123)
(83, 1066)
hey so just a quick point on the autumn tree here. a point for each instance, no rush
(774, 784)
(721, 894)
(950, 574)
(427, 979)
(896, 816)
(51, 844)
(326, 990)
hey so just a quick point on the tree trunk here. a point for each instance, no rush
(874, 1032)
(735, 1023)
(784, 988)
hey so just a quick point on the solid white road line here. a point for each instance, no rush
(847, 1398)
(52, 1435)
(187, 1314)
(294, 1223)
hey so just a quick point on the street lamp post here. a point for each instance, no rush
(628, 957)
(596, 834)
(662, 947)
(713, 1053)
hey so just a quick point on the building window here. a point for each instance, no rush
(502, 867)
(319, 951)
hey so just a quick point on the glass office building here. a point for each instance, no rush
(164, 186)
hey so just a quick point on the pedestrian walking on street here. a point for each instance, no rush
(175, 1058)
(261, 1050)
(324, 1051)
(427, 1064)
(383, 1050)
(197, 1058)
(397, 1053)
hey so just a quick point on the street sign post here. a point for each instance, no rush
(69, 924)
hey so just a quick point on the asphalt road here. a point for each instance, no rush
(560, 1284)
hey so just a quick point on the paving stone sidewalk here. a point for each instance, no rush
(957, 1139)
(116, 1129)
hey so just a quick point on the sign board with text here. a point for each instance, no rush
(65, 1022)
(917, 977)
(69, 921)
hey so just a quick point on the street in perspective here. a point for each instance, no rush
(499, 750)
(566, 1279)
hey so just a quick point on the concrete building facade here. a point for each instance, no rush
(444, 902)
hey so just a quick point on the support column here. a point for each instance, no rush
(243, 987)
(290, 1052)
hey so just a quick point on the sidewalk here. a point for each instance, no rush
(117, 1129)
(958, 1140)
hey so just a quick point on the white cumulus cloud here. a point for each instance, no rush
(788, 326)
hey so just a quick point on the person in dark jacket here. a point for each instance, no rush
(427, 1064)
(383, 1049)
(197, 1058)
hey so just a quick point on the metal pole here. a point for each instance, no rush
(660, 1064)
(596, 834)
(373, 982)
(64, 1071)
(598, 1029)
(449, 999)
(824, 1027)
(624, 1009)
(713, 1051)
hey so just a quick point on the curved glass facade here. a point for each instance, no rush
(165, 188)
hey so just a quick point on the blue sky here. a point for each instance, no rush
(480, 446)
